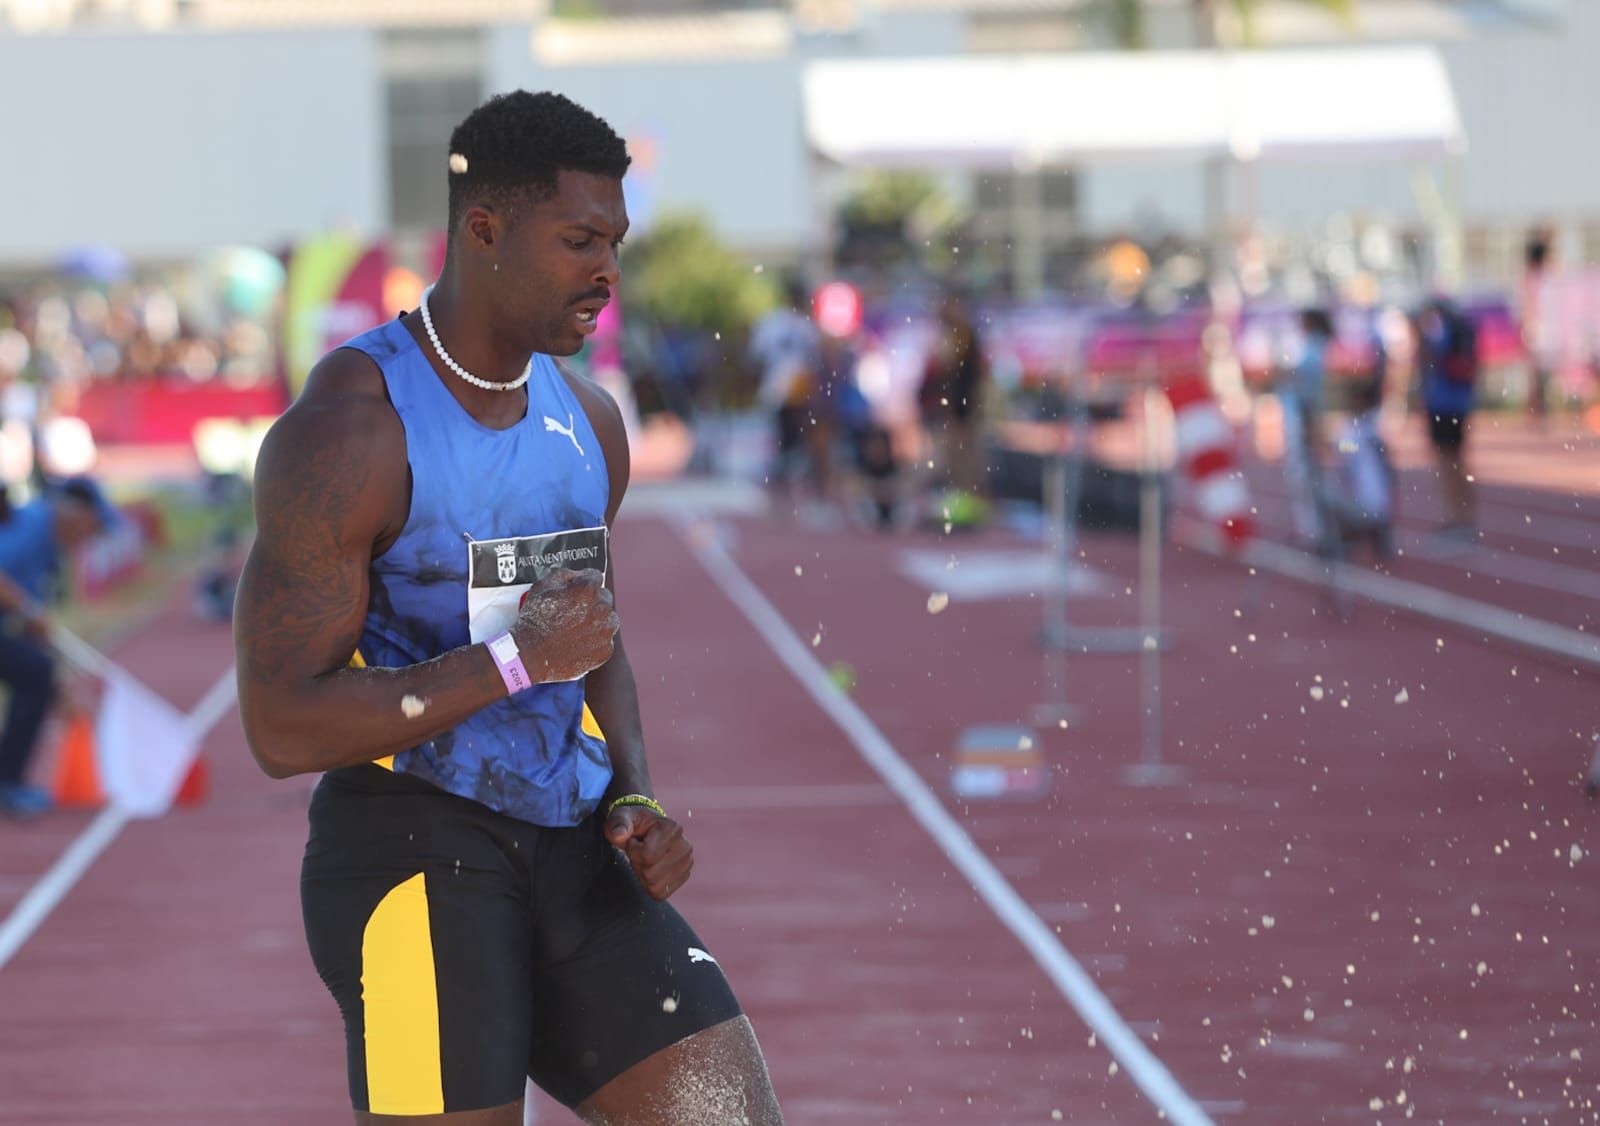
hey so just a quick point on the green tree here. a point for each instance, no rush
(682, 275)
(1127, 18)
(890, 216)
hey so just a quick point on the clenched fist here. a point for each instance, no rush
(567, 625)
(655, 846)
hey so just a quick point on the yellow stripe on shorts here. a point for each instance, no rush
(357, 661)
(591, 726)
(400, 1005)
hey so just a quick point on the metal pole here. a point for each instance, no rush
(1063, 472)
(1027, 221)
(1054, 708)
(1151, 770)
(1059, 632)
(1150, 583)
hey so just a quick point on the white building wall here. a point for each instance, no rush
(729, 134)
(163, 144)
(725, 135)
(1528, 101)
(1524, 96)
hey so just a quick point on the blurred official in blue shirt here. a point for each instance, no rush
(35, 542)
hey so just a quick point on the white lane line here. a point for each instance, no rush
(34, 908)
(1078, 987)
(1510, 520)
(1522, 568)
(1540, 527)
(1525, 570)
(1405, 595)
(214, 704)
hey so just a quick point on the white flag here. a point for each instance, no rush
(146, 747)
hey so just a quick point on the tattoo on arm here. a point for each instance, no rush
(308, 587)
(329, 482)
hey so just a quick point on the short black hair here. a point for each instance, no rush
(512, 147)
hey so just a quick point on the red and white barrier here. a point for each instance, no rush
(1207, 458)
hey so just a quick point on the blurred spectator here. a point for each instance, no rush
(1447, 366)
(870, 446)
(785, 349)
(36, 539)
(1537, 264)
(1301, 391)
(1363, 498)
(951, 396)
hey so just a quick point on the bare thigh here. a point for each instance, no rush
(716, 1077)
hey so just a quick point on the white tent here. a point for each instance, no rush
(1238, 108)
(1007, 112)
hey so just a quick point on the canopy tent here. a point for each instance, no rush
(1011, 112)
(1222, 108)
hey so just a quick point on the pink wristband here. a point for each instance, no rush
(508, 659)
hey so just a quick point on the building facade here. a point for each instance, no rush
(168, 126)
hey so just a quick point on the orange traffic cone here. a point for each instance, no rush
(77, 771)
(196, 784)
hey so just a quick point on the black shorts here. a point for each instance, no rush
(1447, 431)
(469, 951)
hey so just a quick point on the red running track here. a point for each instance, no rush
(1296, 931)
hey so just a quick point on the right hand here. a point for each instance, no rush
(567, 625)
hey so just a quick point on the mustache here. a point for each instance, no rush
(592, 295)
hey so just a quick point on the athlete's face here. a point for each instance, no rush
(565, 253)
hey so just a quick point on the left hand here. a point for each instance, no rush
(655, 846)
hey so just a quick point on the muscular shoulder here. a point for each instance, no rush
(342, 443)
(605, 418)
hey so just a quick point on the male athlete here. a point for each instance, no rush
(427, 617)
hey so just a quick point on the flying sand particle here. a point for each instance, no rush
(412, 706)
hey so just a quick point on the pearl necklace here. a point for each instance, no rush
(450, 361)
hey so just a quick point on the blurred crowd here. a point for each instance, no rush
(59, 340)
(900, 406)
(63, 335)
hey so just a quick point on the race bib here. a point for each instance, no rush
(500, 572)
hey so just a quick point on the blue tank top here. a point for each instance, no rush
(538, 756)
